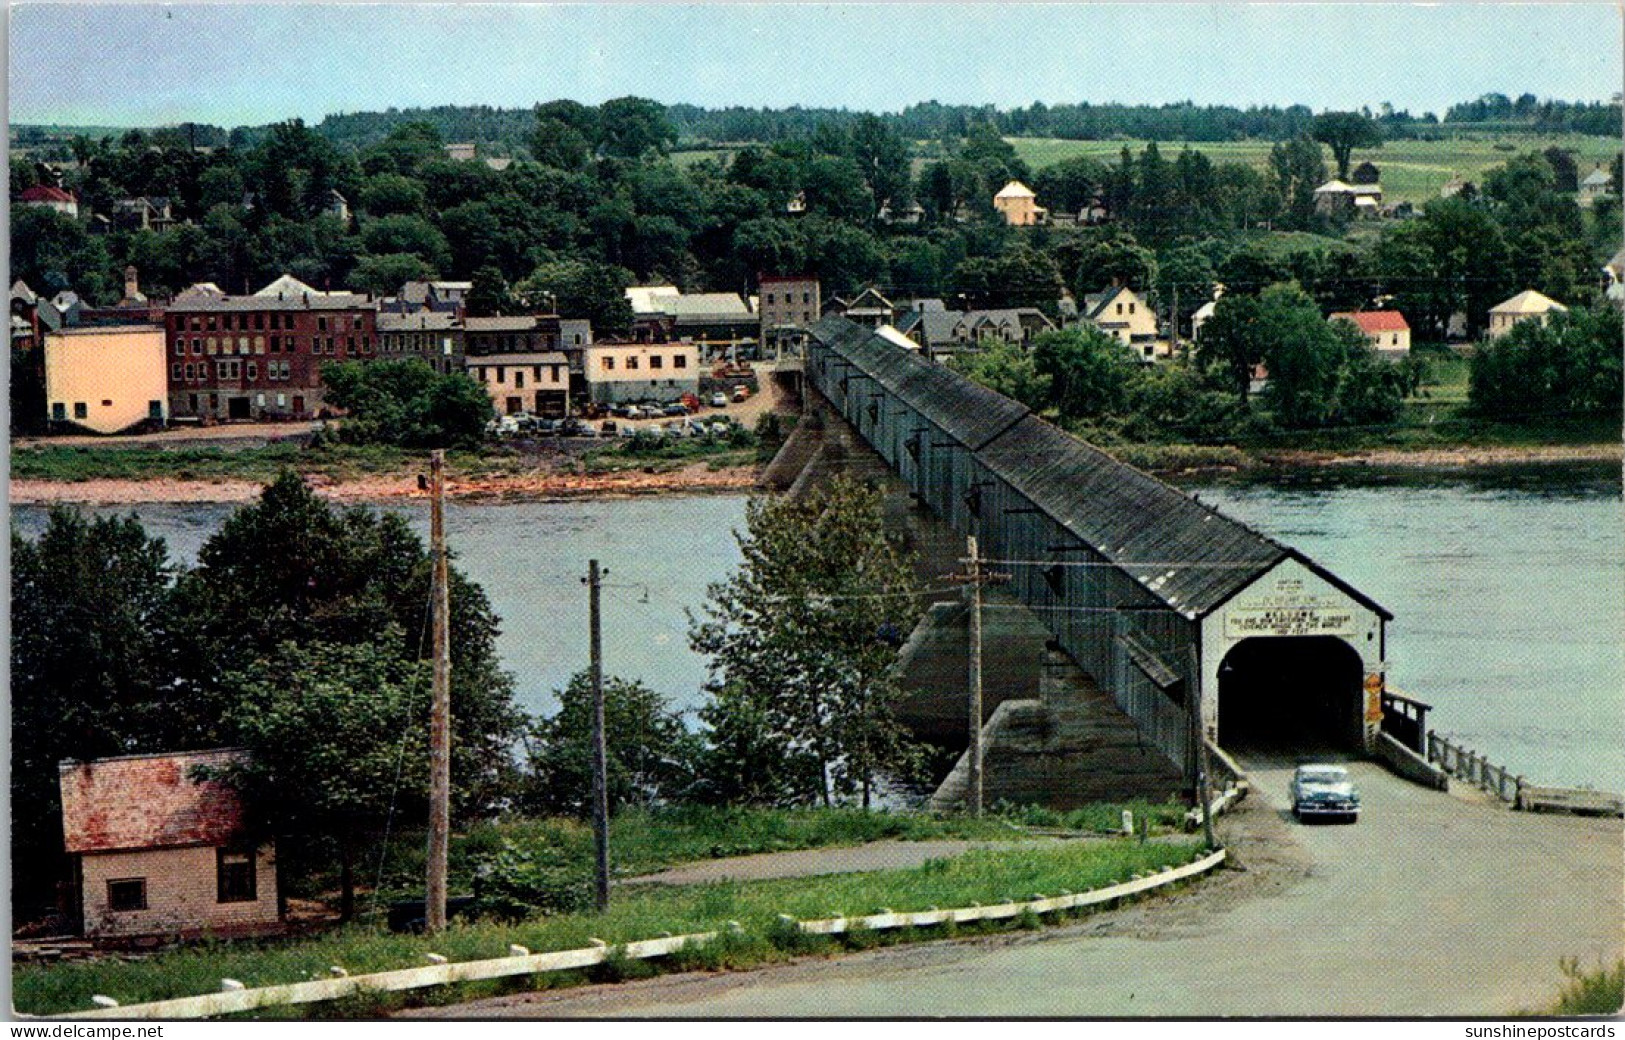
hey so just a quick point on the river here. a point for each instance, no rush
(1508, 589)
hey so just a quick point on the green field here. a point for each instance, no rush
(1412, 171)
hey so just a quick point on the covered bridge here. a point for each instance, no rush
(1158, 597)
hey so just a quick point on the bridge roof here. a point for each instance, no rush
(967, 412)
(1185, 554)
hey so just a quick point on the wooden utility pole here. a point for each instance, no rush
(440, 709)
(600, 751)
(973, 578)
(1204, 797)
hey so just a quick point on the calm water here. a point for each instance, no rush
(1508, 590)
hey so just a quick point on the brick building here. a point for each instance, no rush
(433, 337)
(788, 307)
(261, 356)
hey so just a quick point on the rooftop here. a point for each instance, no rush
(147, 802)
(1528, 302)
(1375, 321)
(1016, 190)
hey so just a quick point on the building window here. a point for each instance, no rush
(770, 298)
(321, 324)
(519, 379)
(1131, 308)
(609, 364)
(253, 370)
(127, 894)
(80, 411)
(234, 876)
(211, 325)
(180, 348)
(679, 361)
(191, 372)
(656, 361)
(259, 344)
(155, 410)
(175, 372)
(631, 363)
(194, 324)
(259, 321)
(59, 412)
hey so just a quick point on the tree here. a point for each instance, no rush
(581, 288)
(803, 640)
(337, 739)
(651, 754)
(882, 160)
(391, 194)
(1007, 368)
(556, 143)
(384, 275)
(632, 127)
(489, 295)
(1296, 170)
(404, 234)
(1343, 132)
(1089, 372)
(1571, 364)
(407, 403)
(89, 671)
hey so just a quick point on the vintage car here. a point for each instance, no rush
(1321, 790)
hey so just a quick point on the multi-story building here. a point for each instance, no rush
(1528, 305)
(433, 337)
(261, 356)
(533, 334)
(537, 383)
(105, 378)
(788, 306)
(1120, 312)
(1019, 205)
(631, 372)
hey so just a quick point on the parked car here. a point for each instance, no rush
(608, 428)
(674, 409)
(1324, 790)
(634, 412)
(628, 430)
(547, 426)
(719, 400)
(741, 393)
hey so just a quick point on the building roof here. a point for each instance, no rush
(1016, 190)
(702, 305)
(21, 291)
(1528, 302)
(288, 285)
(147, 802)
(1598, 178)
(1375, 321)
(45, 193)
(417, 321)
(1006, 316)
(1185, 554)
(1095, 304)
(641, 297)
(896, 338)
(551, 357)
(938, 326)
(501, 323)
(869, 300)
(1616, 266)
(106, 330)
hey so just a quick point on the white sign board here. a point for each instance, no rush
(1242, 622)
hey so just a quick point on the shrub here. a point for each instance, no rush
(515, 883)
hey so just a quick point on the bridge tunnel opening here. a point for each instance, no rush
(1291, 694)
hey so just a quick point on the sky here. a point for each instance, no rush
(234, 64)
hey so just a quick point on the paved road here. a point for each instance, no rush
(1432, 905)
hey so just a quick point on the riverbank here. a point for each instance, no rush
(113, 481)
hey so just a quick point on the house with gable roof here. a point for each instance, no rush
(1387, 331)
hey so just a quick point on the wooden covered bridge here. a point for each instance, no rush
(1160, 599)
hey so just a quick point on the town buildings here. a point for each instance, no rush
(1528, 305)
(1335, 198)
(49, 197)
(105, 378)
(868, 308)
(158, 851)
(1123, 313)
(1019, 205)
(1387, 331)
(433, 337)
(538, 383)
(261, 356)
(1597, 183)
(720, 324)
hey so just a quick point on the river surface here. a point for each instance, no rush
(1507, 586)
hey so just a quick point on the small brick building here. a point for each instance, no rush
(157, 852)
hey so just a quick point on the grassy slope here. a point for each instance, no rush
(1411, 170)
(985, 876)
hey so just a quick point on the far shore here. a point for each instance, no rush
(544, 486)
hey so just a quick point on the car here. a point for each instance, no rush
(628, 430)
(1324, 790)
(674, 409)
(634, 412)
(609, 428)
(719, 400)
(741, 393)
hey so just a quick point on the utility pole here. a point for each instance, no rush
(440, 709)
(973, 578)
(600, 753)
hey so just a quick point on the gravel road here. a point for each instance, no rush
(1432, 905)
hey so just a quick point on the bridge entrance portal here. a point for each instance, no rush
(1291, 693)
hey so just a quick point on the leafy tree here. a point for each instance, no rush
(88, 671)
(651, 753)
(582, 289)
(1571, 364)
(1230, 343)
(489, 295)
(404, 234)
(803, 640)
(1071, 184)
(632, 127)
(1089, 372)
(1112, 257)
(384, 275)
(557, 143)
(1296, 170)
(337, 737)
(1343, 132)
(390, 194)
(1007, 368)
(882, 161)
(1188, 273)
(407, 403)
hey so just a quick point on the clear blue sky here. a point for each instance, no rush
(230, 65)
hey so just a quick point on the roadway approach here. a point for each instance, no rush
(1433, 905)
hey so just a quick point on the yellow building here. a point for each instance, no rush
(106, 379)
(1528, 305)
(619, 373)
(535, 383)
(1019, 204)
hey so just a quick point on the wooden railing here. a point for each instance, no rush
(1470, 767)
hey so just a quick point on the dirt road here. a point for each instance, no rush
(1432, 905)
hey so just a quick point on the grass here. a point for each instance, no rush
(982, 876)
(1412, 170)
(75, 463)
(1599, 992)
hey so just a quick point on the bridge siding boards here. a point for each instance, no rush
(1047, 496)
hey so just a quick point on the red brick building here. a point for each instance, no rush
(261, 356)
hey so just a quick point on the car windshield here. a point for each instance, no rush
(1324, 776)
